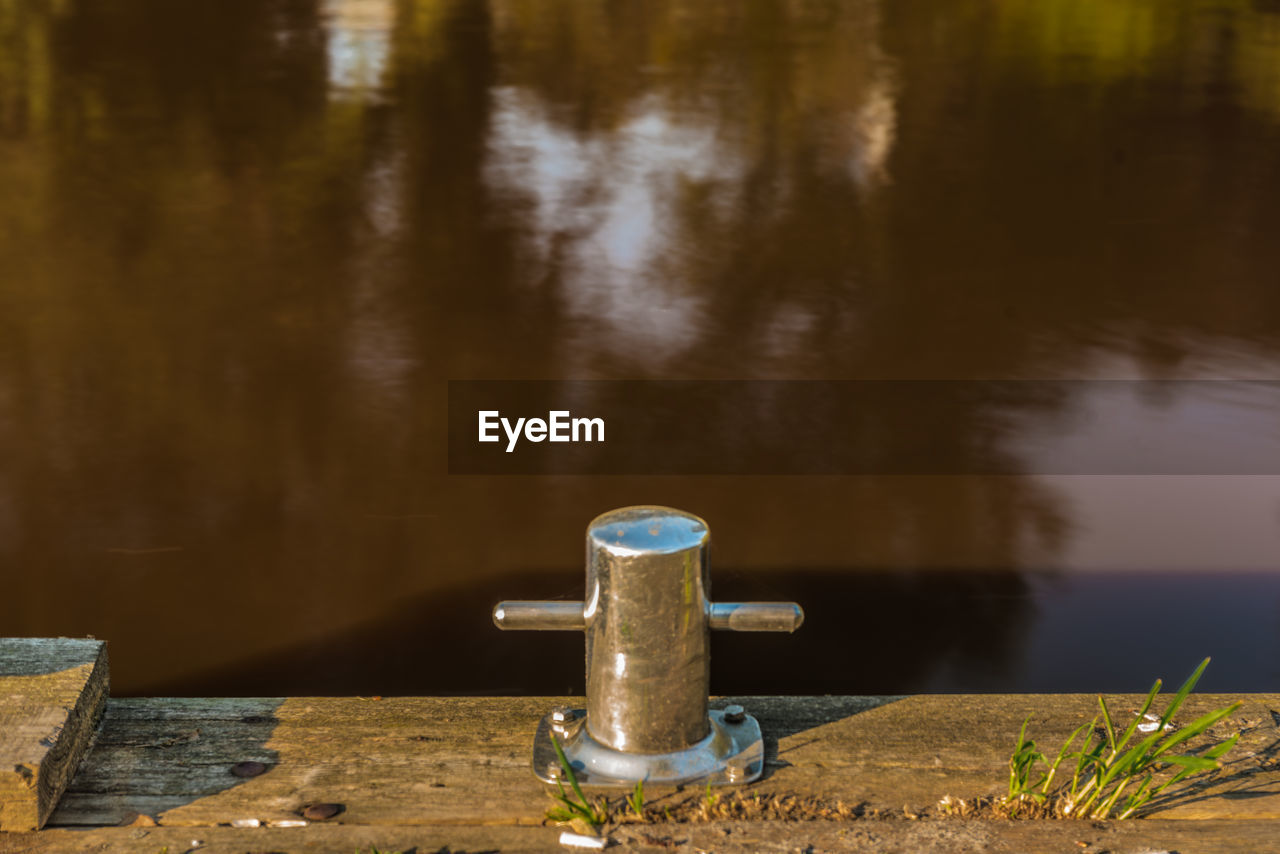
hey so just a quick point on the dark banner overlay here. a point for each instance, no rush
(1118, 427)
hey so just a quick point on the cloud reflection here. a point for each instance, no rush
(359, 45)
(600, 212)
(625, 211)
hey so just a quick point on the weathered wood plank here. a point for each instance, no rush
(52, 694)
(456, 761)
(434, 772)
(855, 837)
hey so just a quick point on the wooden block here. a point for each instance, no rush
(53, 692)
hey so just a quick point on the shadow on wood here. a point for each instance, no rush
(154, 757)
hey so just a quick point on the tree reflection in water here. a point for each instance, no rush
(243, 245)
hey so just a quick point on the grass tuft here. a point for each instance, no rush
(1109, 777)
(574, 808)
(635, 800)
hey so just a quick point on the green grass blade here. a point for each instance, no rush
(1196, 727)
(636, 798)
(1090, 767)
(568, 770)
(573, 806)
(1221, 748)
(1137, 799)
(1019, 747)
(1132, 761)
(1108, 803)
(1113, 776)
(561, 814)
(1146, 706)
(1045, 783)
(1023, 755)
(1182, 695)
(1087, 756)
(1192, 764)
(1107, 726)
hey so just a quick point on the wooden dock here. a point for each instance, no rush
(453, 774)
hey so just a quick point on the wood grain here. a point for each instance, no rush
(465, 761)
(53, 692)
(453, 773)
(855, 837)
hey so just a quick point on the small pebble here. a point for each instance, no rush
(320, 812)
(248, 769)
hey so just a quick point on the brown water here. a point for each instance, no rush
(244, 245)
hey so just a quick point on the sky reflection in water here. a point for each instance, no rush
(244, 245)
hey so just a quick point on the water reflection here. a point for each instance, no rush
(601, 219)
(359, 44)
(244, 244)
(630, 207)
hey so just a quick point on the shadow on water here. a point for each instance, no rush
(874, 633)
(446, 644)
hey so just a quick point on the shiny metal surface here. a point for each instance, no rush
(648, 648)
(538, 616)
(732, 616)
(756, 616)
(647, 618)
(730, 752)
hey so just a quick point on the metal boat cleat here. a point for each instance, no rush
(647, 619)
